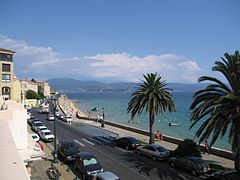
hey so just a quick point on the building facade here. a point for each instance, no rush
(44, 88)
(6, 73)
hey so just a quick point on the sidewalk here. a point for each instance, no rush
(121, 132)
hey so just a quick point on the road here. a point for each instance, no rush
(126, 164)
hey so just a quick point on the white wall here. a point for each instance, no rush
(16, 116)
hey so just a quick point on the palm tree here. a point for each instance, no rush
(217, 106)
(153, 96)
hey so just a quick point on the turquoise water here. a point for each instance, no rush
(115, 109)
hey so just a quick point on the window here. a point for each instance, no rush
(6, 67)
(6, 77)
(5, 57)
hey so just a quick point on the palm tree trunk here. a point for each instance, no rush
(151, 127)
(237, 156)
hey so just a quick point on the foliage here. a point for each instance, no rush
(219, 105)
(40, 92)
(152, 96)
(30, 94)
(187, 148)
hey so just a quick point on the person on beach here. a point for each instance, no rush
(206, 148)
(158, 135)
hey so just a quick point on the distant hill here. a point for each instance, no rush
(73, 85)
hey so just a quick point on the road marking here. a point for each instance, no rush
(98, 142)
(81, 144)
(88, 141)
(99, 137)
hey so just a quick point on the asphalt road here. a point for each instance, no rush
(126, 164)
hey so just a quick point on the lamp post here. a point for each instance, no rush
(54, 99)
(103, 118)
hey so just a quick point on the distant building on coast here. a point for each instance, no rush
(6, 73)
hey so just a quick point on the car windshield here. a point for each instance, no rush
(87, 162)
(161, 149)
(39, 124)
(47, 133)
(71, 147)
(133, 140)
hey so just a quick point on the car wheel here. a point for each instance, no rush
(194, 173)
(126, 147)
(138, 152)
(154, 158)
(172, 164)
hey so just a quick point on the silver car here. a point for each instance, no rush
(107, 175)
(155, 151)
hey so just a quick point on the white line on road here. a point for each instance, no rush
(99, 142)
(99, 137)
(81, 144)
(88, 141)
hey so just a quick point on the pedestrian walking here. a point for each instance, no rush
(206, 148)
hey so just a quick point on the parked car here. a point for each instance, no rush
(155, 151)
(225, 175)
(127, 142)
(36, 124)
(87, 165)
(107, 175)
(30, 121)
(67, 149)
(195, 165)
(35, 137)
(50, 117)
(46, 135)
(40, 128)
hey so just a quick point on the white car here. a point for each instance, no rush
(50, 117)
(46, 135)
(35, 137)
(57, 113)
(40, 128)
(36, 124)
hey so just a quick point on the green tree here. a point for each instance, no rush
(152, 96)
(40, 92)
(186, 148)
(217, 106)
(30, 94)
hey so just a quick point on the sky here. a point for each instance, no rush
(119, 40)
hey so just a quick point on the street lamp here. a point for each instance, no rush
(54, 99)
(103, 118)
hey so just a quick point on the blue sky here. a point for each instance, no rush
(113, 40)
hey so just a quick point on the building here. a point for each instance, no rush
(44, 88)
(6, 73)
(17, 94)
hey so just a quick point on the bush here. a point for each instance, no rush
(30, 94)
(187, 148)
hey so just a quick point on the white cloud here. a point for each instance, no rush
(45, 63)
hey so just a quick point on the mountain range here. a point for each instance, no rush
(73, 85)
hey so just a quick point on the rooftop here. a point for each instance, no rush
(7, 51)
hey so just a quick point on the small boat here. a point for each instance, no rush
(174, 124)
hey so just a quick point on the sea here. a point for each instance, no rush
(114, 105)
